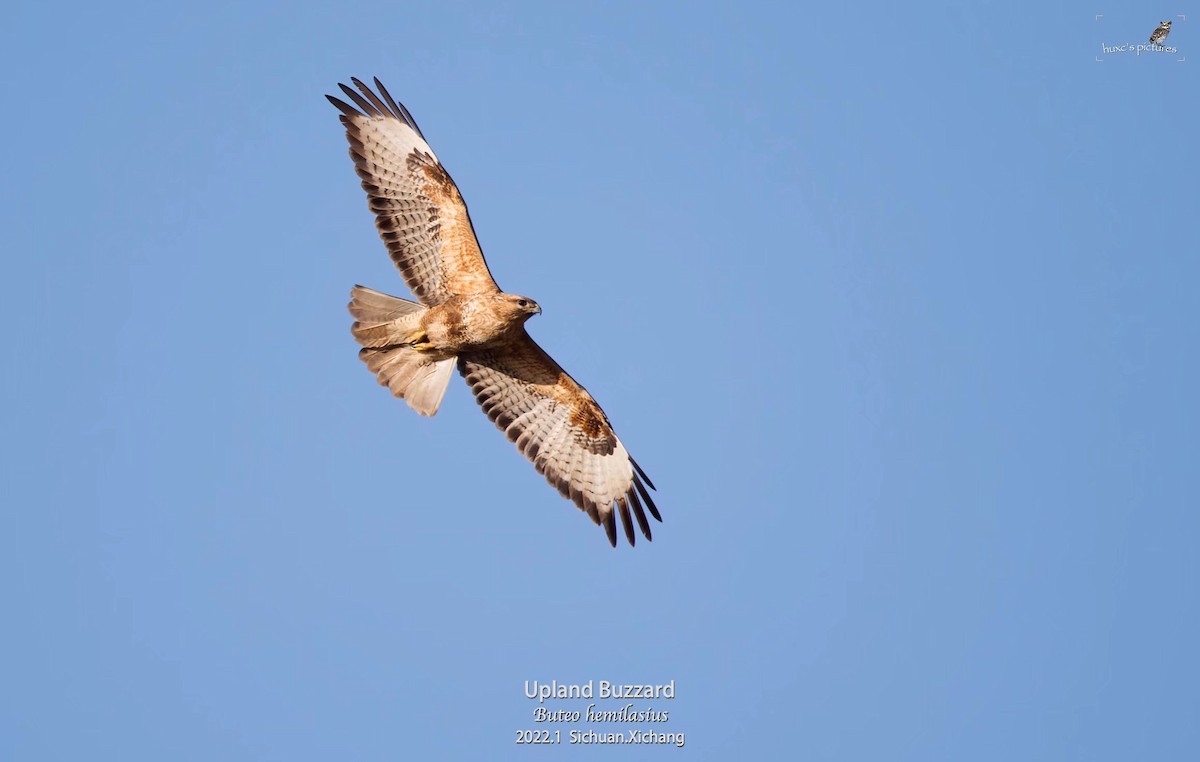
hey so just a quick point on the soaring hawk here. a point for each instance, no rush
(464, 319)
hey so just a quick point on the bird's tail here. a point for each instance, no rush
(382, 325)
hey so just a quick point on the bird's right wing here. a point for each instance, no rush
(419, 212)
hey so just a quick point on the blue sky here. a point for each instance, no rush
(894, 303)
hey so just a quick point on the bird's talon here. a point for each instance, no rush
(418, 341)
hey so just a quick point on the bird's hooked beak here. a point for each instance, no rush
(537, 309)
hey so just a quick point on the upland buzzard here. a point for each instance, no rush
(464, 319)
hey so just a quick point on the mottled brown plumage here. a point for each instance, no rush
(464, 319)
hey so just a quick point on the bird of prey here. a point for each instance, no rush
(1160, 34)
(464, 319)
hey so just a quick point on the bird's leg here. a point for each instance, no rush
(418, 340)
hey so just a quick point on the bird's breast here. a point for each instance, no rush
(464, 323)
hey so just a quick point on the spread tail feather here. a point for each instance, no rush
(381, 323)
(380, 319)
(418, 379)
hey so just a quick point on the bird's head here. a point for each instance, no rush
(519, 307)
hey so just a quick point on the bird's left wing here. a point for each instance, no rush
(557, 425)
(419, 212)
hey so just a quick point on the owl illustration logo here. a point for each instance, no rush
(1160, 34)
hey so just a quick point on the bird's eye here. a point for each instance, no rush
(522, 302)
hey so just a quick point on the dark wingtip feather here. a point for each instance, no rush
(371, 96)
(610, 528)
(398, 108)
(626, 521)
(387, 96)
(646, 497)
(642, 473)
(360, 101)
(640, 513)
(342, 106)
